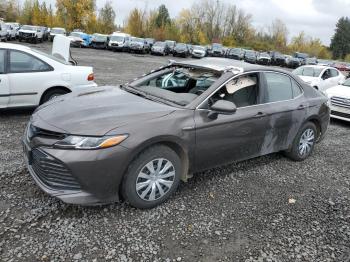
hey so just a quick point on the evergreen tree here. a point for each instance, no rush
(340, 43)
(106, 19)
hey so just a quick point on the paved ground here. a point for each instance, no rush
(239, 212)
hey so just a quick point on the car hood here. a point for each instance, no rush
(340, 90)
(95, 112)
(27, 31)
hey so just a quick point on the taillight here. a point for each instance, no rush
(91, 77)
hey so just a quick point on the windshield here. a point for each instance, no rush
(28, 27)
(57, 59)
(57, 31)
(182, 46)
(117, 38)
(100, 37)
(250, 53)
(236, 51)
(75, 34)
(137, 40)
(308, 71)
(176, 84)
(217, 46)
(347, 82)
(197, 47)
(161, 44)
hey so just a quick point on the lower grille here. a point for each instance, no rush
(339, 101)
(51, 172)
(341, 114)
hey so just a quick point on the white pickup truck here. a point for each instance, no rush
(31, 33)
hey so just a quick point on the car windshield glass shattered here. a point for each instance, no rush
(175, 85)
(308, 71)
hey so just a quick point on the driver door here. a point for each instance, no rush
(230, 137)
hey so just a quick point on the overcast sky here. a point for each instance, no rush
(316, 17)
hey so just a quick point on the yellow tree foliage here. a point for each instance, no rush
(135, 23)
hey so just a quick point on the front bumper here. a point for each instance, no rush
(85, 177)
(340, 113)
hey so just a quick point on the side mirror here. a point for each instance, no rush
(223, 107)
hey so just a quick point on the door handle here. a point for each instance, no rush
(300, 107)
(259, 114)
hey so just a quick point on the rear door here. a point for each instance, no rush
(28, 77)
(285, 108)
(4, 84)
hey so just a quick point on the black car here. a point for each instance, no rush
(137, 141)
(250, 56)
(181, 50)
(277, 58)
(99, 41)
(217, 50)
(160, 48)
(236, 53)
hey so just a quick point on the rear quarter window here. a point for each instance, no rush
(278, 87)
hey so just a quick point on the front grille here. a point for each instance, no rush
(340, 101)
(52, 172)
(341, 114)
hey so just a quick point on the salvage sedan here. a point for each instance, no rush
(137, 141)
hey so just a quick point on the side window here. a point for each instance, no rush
(242, 91)
(21, 62)
(2, 61)
(334, 73)
(279, 87)
(296, 89)
(326, 74)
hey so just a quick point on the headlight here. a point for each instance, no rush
(84, 142)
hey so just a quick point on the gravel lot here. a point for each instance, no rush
(239, 212)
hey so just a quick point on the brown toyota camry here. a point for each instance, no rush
(137, 141)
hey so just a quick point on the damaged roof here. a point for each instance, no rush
(220, 64)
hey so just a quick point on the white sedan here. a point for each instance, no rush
(340, 100)
(320, 77)
(29, 77)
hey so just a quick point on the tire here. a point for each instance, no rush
(132, 177)
(52, 94)
(307, 133)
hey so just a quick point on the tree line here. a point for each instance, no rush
(70, 14)
(205, 22)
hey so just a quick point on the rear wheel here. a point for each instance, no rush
(51, 94)
(304, 142)
(152, 177)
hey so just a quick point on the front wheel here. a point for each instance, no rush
(304, 143)
(51, 94)
(152, 177)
